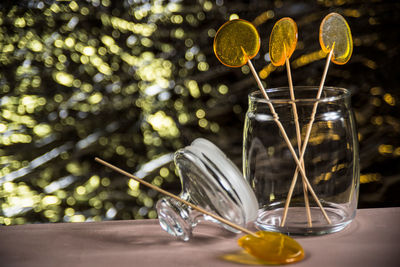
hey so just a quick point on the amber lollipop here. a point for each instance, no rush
(236, 43)
(233, 50)
(335, 39)
(282, 43)
(335, 36)
(270, 247)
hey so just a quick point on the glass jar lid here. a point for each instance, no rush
(209, 179)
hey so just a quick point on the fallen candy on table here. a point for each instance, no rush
(273, 248)
(283, 41)
(335, 32)
(236, 42)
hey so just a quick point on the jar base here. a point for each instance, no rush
(296, 221)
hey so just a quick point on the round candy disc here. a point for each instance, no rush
(236, 42)
(273, 248)
(335, 32)
(282, 41)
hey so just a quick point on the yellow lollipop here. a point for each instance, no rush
(236, 42)
(335, 33)
(273, 248)
(282, 41)
(335, 39)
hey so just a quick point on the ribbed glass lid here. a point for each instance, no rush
(213, 182)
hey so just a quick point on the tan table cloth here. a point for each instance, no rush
(373, 239)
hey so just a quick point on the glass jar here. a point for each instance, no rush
(331, 160)
(209, 180)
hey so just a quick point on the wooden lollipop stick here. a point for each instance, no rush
(298, 135)
(307, 137)
(231, 224)
(283, 132)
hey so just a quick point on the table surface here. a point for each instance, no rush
(372, 239)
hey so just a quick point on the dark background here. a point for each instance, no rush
(133, 81)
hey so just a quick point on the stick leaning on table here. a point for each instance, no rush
(156, 188)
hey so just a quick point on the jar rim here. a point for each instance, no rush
(343, 93)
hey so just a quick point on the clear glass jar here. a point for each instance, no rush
(209, 180)
(331, 160)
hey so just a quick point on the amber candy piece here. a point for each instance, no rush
(236, 42)
(283, 41)
(335, 33)
(273, 248)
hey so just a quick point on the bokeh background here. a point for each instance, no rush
(132, 81)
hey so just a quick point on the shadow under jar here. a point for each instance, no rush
(331, 160)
